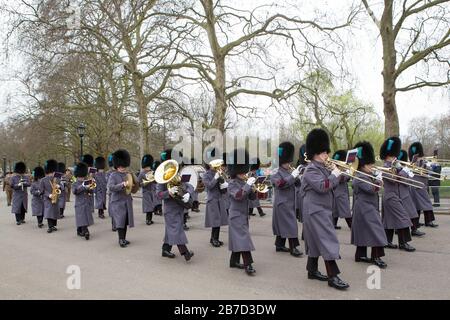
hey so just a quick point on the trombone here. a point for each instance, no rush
(420, 171)
(433, 159)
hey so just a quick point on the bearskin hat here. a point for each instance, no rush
(391, 147)
(100, 163)
(403, 155)
(110, 162)
(366, 154)
(286, 152)
(61, 167)
(301, 156)
(88, 159)
(81, 170)
(155, 165)
(167, 155)
(50, 166)
(415, 149)
(38, 173)
(238, 162)
(340, 155)
(255, 164)
(20, 167)
(317, 141)
(121, 158)
(147, 161)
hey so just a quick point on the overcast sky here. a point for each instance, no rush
(365, 63)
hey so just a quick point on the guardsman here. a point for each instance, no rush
(37, 201)
(367, 227)
(301, 165)
(108, 174)
(49, 184)
(284, 218)
(148, 189)
(158, 203)
(341, 205)
(254, 167)
(89, 160)
(63, 182)
(318, 182)
(101, 186)
(83, 191)
(19, 184)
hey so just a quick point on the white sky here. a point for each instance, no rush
(365, 63)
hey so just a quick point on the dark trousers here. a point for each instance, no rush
(331, 266)
(149, 216)
(52, 222)
(185, 217)
(21, 216)
(61, 211)
(260, 210)
(195, 205)
(429, 216)
(246, 257)
(377, 252)
(101, 212)
(435, 193)
(404, 235)
(415, 223)
(281, 242)
(82, 230)
(122, 232)
(40, 219)
(181, 248)
(348, 220)
(215, 232)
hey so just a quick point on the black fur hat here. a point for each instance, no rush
(167, 155)
(340, 155)
(155, 165)
(100, 163)
(50, 166)
(121, 158)
(81, 170)
(88, 159)
(38, 173)
(61, 167)
(147, 161)
(366, 154)
(390, 147)
(317, 141)
(110, 162)
(301, 156)
(403, 155)
(237, 165)
(255, 166)
(20, 167)
(415, 149)
(286, 152)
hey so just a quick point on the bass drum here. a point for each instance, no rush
(195, 173)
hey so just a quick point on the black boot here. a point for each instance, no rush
(282, 249)
(406, 247)
(431, 225)
(188, 255)
(316, 275)
(148, 219)
(417, 233)
(390, 245)
(168, 254)
(296, 253)
(363, 259)
(122, 243)
(214, 242)
(337, 283)
(250, 270)
(379, 263)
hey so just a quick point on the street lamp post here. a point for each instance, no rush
(81, 130)
(4, 165)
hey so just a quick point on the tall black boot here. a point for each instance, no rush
(148, 218)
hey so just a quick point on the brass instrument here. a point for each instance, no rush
(433, 159)
(132, 184)
(56, 190)
(388, 174)
(168, 173)
(149, 177)
(416, 170)
(259, 187)
(217, 166)
(91, 184)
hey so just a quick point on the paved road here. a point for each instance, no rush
(33, 265)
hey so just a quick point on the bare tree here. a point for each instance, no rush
(415, 33)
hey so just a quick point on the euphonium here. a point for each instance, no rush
(149, 177)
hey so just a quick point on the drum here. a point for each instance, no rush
(195, 173)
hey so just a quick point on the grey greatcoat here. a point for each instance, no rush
(420, 196)
(318, 229)
(108, 193)
(19, 196)
(173, 214)
(51, 211)
(407, 201)
(83, 213)
(367, 227)
(37, 201)
(121, 204)
(100, 190)
(148, 193)
(216, 203)
(238, 228)
(62, 197)
(299, 194)
(341, 204)
(284, 218)
(394, 213)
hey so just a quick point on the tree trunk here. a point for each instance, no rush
(389, 62)
(220, 95)
(143, 114)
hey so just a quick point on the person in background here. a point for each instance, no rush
(100, 190)
(63, 182)
(7, 187)
(435, 184)
(19, 183)
(69, 176)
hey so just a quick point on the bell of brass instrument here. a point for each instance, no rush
(260, 187)
(217, 165)
(132, 185)
(149, 177)
(168, 173)
(91, 184)
(56, 191)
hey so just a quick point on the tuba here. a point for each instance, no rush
(168, 173)
(132, 183)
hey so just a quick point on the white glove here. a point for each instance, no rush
(20, 184)
(251, 181)
(397, 165)
(336, 172)
(224, 185)
(186, 197)
(379, 176)
(217, 176)
(408, 172)
(50, 196)
(173, 190)
(428, 165)
(295, 173)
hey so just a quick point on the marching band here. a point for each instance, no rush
(315, 193)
